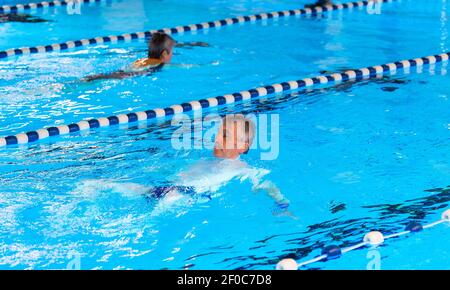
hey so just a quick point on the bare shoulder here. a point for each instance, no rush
(145, 63)
(139, 63)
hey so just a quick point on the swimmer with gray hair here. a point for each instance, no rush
(203, 180)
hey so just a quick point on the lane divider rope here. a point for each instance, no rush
(29, 6)
(350, 75)
(374, 238)
(181, 29)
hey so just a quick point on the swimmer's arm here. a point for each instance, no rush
(115, 75)
(272, 190)
(183, 65)
(190, 65)
(282, 202)
(192, 44)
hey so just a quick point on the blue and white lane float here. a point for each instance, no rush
(44, 4)
(350, 75)
(373, 239)
(181, 29)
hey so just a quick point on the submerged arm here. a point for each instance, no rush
(282, 203)
(272, 190)
(121, 74)
(25, 18)
(113, 75)
(190, 65)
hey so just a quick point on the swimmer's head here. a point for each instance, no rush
(324, 2)
(235, 136)
(161, 47)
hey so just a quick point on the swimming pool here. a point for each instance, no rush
(370, 155)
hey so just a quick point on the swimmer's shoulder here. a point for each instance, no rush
(145, 63)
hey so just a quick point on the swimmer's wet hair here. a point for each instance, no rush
(249, 127)
(159, 43)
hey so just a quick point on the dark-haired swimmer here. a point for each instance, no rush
(160, 52)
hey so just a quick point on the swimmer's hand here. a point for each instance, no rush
(192, 44)
(281, 209)
(191, 65)
(273, 191)
(183, 65)
(285, 213)
(282, 203)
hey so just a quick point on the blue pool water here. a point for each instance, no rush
(365, 156)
